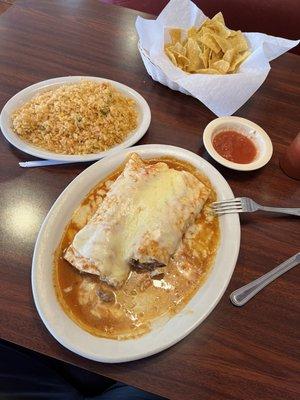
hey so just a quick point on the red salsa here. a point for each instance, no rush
(235, 147)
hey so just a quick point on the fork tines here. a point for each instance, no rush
(227, 206)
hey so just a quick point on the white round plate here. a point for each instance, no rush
(162, 336)
(144, 118)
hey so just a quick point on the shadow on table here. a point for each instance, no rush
(28, 375)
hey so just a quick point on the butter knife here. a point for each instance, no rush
(242, 295)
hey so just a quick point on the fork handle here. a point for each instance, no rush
(291, 211)
(242, 295)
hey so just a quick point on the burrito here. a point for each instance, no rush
(140, 222)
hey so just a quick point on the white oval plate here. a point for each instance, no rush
(144, 118)
(162, 336)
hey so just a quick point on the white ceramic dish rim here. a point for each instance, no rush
(24, 95)
(203, 302)
(262, 159)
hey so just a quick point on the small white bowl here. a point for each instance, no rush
(245, 127)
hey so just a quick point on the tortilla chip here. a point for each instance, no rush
(213, 58)
(192, 33)
(223, 43)
(211, 48)
(171, 56)
(193, 54)
(238, 42)
(218, 18)
(175, 35)
(210, 42)
(229, 55)
(236, 62)
(205, 56)
(179, 48)
(221, 65)
(182, 61)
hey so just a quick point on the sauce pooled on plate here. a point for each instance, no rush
(143, 300)
(235, 147)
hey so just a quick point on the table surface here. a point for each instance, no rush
(236, 353)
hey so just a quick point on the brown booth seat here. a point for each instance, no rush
(274, 17)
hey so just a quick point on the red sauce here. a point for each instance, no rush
(235, 147)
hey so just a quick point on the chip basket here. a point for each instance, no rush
(157, 74)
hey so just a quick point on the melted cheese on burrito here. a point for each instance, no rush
(141, 220)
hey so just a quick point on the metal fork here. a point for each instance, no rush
(244, 204)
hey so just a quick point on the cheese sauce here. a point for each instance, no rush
(128, 312)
